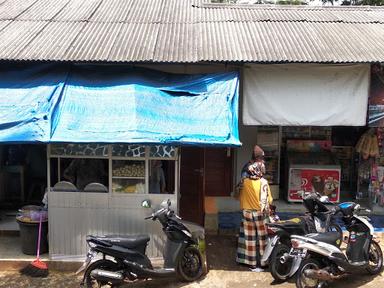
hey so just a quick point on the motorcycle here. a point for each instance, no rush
(321, 261)
(319, 219)
(182, 259)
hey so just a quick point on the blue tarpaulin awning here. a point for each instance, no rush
(117, 104)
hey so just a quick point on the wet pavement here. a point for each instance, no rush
(223, 272)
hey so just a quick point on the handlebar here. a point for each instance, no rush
(359, 208)
(148, 217)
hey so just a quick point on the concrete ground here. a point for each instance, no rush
(223, 272)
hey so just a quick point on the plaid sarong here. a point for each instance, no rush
(252, 238)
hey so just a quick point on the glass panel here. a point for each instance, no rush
(81, 172)
(92, 149)
(162, 177)
(128, 168)
(127, 186)
(162, 151)
(125, 150)
(128, 176)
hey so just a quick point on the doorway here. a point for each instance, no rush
(203, 172)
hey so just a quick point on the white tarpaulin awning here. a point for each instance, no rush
(305, 94)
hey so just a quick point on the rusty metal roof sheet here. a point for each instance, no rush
(187, 31)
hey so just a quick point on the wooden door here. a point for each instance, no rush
(191, 206)
(218, 172)
(204, 172)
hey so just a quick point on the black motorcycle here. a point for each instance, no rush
(321, 260)
(182, 258)
(317, 219)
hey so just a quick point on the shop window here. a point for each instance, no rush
(161, 176)
(134, 169)
(128, 176)
(84, 171)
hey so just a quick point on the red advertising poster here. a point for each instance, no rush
(376, 97)
(324, 181)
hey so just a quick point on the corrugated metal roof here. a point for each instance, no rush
(187, 31)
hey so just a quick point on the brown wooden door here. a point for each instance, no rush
(204, 172)
(217, 172)
(192, 184)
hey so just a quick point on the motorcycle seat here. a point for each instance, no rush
(126, 241)
(332, 237)
(294, 223)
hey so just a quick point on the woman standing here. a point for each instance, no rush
(255, 198)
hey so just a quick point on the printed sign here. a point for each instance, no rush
(376, 97)
(324, 181)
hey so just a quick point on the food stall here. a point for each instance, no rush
(111, 205)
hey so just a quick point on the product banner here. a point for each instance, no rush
(376, 97)
(324, 181)
(305, 94)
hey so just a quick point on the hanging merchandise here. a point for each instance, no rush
(378, 171)
(367, 146)
(371, 166)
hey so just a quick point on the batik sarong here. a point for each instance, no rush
(252, 238)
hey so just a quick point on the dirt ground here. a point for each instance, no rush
(223, 272)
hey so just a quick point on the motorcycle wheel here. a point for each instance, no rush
(190, 266)
(305, 282)
(375, 259)
(279, 270)
(90, 282)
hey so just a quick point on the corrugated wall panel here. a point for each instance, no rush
(95, 42)
(176, 41)
(43, 10)
(112, 11)
(78, 10)
(292, 41)
(10, 9)
(176, 11)
(136, 41)
(152, 13)
(4, 23)
(185, 31)
(18, 35)
(100, 214)
(50, 43)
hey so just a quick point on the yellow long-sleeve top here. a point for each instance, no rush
(255, 194)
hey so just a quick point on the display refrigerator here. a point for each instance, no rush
(312, 168)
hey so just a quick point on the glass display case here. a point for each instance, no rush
(123, 169)
(128, 176)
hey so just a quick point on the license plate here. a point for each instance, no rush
(86, 263)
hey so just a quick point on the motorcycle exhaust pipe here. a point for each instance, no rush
(114, 278)
(158, 273)
(321, 275)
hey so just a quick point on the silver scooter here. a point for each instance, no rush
(319, 218)
(319, 260)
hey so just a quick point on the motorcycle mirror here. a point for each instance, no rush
(146, 203)
(324, 199)
(166, 203)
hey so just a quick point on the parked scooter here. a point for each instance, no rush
(318, 219)
(183, 258)
(322, 261)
